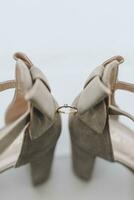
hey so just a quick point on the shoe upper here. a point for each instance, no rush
(32, 110)
(89, 127)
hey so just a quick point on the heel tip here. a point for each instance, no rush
(38, 182)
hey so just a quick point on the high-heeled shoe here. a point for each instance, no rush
(95, 128)
(32, 124)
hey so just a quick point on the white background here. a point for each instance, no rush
(67, 39)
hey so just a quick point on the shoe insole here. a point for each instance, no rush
(123, 143)
(9, 157)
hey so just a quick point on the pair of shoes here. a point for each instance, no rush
(33, 122)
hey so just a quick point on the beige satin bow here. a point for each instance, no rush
(100, 84)
(43, 106)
